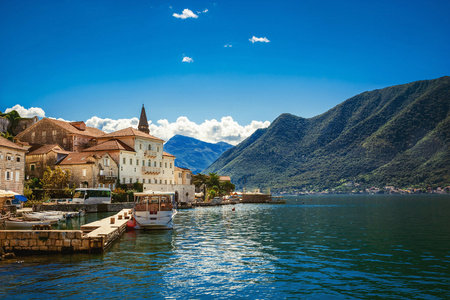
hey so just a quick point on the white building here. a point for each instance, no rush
(141, 159)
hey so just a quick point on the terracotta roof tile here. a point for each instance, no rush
(89, 131)
(224, 178)
(44, 149)
(130, 131)
(7, 143)
(167, 154)
(182, 169)
(113, 144)
(79, 158)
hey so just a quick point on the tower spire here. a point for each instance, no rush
(143, 123)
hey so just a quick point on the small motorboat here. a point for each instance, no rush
(55, 216)
(14, 223)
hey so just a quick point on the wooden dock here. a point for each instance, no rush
(108, 229)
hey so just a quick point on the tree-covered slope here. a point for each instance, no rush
(194, 154)
(398, 135)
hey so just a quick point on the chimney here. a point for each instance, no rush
(79, 125)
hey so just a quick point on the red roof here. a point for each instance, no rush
(110, 145)
(130, 131)
(7, 143)
(44, 149)
(67, 126)
(79, 158)
(168, 154)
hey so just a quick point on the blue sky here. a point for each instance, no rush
(79, 59)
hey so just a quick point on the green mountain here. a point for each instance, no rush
(194, 154)
(398, 136)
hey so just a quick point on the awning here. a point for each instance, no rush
(4, 193)
(21, 198)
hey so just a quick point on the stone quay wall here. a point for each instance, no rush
(104, 207)
(62, 241)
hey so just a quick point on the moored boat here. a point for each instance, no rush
(13, 223)
(54, 216)
(153, 210)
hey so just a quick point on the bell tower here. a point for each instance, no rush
(143, 123)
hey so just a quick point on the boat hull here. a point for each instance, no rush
(24, 224)
(161, 220)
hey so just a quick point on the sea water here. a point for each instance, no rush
(312, 247)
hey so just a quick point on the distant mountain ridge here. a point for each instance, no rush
(398, 136)
(194, 154)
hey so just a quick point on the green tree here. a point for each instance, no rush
(14, 118)
(56, 179)
(199, 179)
(212, 180)
(138, 186)
(226, 187)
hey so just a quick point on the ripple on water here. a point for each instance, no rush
(329, 247)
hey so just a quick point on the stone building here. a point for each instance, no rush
(40, 157)
(4, 124)
(90, 169)
(70, 136)
(141, 158)
(22, 124)
(183, 176)
(12, 166)
(142, 161)
(114, 147)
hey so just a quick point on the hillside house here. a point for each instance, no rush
(70, 136)
(39, 157)
(12, 166)
(90, 169)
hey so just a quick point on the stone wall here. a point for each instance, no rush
(4, 124)
(40, 162)
(112, 207)
(23, 124)
(186, 193)
(12, 169)
(67, 241)
(92, 173)
(256, 198)
(53, 135)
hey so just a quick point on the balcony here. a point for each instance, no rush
(149, 153)
(151, 170)
(107, 178)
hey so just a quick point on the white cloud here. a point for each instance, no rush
(228, 46)
(187, 59)
(187, 13)
(27, 113)
(205, 11)
(254, 39)
(212, 131)
(109, 125)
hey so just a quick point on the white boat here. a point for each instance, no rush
(55, 216)
(216, 201)
(22, 224)
(154, 210)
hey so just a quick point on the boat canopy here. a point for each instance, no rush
(21, 198)
(150, 193)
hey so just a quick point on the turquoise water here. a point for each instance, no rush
(321, 247)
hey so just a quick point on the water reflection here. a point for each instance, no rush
(336, 247)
